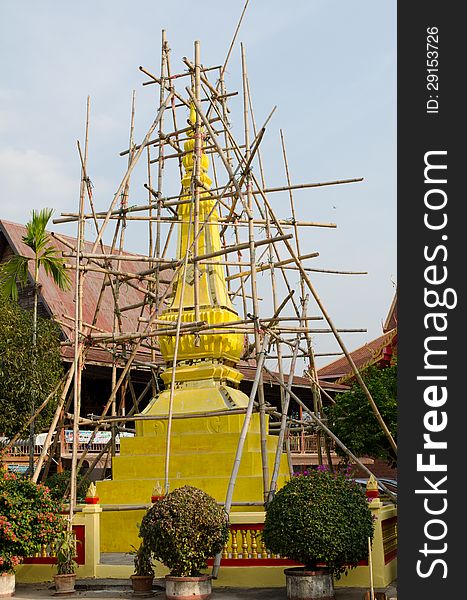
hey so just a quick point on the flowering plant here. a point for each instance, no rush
(29, 518)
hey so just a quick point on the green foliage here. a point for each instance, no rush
(142, 559)
(16, 269)
(11, 272)
(184, 529)
(27, 373)
(29, 517)
(354, 422)
(320, 518)
(66, 552)
(58, 483)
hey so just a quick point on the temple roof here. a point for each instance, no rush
(57, 303)
(363, 357)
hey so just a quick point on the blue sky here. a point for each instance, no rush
(329, 66)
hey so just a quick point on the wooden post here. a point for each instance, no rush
(77, 360)
(254, 291)
(285, 408)
(241, 442)
(195, 185)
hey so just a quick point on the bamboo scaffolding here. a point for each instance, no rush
(320, 423)
(243, 206)
(334, 330)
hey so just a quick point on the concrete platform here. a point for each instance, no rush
(119, 588)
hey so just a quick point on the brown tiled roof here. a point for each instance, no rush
(364, 356)
(61, 303)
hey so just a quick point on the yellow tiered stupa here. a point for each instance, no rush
(202, 450)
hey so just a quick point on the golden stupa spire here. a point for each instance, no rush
(214, 305)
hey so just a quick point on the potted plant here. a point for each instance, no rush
(321, 520)
(29, 518)
(141, 580)
(65, 578)
(182, 530)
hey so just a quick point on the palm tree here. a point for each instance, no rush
(16, 270)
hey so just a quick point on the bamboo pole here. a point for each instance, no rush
(175, 263)
(34, 416)
(269, 248)
(241, 442)
(285, 408)
(196, 189)
(175, 416)
(77, 360)
(237, 29)
(117, 321)
(134, 160)
(319, 422)
(339, 340)
(174, 365)
(280, 263)
(254, 291)
(311, 360)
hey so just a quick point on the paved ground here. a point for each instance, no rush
(110, 590)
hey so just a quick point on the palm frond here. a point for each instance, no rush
(36, 235)
(53, 266)
(11, 272)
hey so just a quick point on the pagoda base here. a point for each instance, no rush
(202, 453)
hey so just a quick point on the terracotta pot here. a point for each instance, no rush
(65, 584)
(188, 588)
(7, 585)
(303, 584)
(142, 584)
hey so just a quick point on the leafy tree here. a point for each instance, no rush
(355, 424)
(27, 373)
(16, 270)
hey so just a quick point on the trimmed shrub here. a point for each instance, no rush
(184, 529)
(320, 519)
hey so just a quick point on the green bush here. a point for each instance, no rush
(320, 519)
(184, 529)
(29, 517)
(58, 483)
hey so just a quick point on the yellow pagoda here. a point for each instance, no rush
(202, 449)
